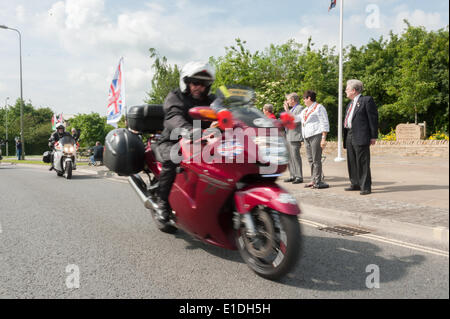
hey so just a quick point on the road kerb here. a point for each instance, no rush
(438, 235)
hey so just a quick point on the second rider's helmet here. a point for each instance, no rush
(60, 128)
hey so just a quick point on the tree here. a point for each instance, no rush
(36, 129)
(282, 69)
(415, 85)
(165, 79)
(93, 128)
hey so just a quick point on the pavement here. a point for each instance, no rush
(410, 197)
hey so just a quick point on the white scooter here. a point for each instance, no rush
(65, 157)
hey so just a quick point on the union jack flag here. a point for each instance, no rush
(332, 5)
(116, 97)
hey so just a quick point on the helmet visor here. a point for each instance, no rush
(198, 82)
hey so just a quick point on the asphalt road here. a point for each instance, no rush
(52, 229)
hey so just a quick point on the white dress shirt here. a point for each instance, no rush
(352, 111)
(316, 122)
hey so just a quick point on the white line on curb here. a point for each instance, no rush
(395, 242)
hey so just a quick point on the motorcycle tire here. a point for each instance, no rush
(280, 254)
(68, 170)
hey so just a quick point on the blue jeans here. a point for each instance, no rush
(19, 154)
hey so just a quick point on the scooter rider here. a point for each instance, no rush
(55, 137)
(196, 79)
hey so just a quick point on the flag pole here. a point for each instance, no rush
(123, 88)
(339, 157)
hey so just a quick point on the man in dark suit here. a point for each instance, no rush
(360, 132)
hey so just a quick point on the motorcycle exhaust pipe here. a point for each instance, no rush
(139, 187)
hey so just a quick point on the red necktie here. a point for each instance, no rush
(348, 113)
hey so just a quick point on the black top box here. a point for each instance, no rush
(147, 118)
(124, 152)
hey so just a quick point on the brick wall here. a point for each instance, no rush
(432, 148)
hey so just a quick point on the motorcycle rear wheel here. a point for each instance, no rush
(275, 250)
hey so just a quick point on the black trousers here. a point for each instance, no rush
(166, 179)
(358, 163)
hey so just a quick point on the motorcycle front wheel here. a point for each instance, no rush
(275, 249)
(68, 170)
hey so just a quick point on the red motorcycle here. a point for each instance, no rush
(225, 191)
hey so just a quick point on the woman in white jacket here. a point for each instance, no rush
(315, 126)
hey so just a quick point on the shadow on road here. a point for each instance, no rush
(3, 166)
(328, 264)
(81, 177)
(410, 188)
(375, 184)
(338, 264)
(193, 243)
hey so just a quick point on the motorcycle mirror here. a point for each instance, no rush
(225, 119)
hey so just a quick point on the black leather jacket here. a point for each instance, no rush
(176, 115)
(55, 137)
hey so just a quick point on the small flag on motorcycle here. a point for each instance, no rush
(57, 119)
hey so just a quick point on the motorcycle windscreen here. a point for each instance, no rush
(67, 140)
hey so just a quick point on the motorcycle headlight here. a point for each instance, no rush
(272, 149)
(68, 148)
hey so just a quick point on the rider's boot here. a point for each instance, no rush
(164, 211)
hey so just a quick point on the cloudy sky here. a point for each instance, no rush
(70, 48)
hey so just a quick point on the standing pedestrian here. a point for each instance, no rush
(268, 111)
(294, 140)
(19, 149)
(360, 132)
(315, 127)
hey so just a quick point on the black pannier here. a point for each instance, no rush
(46, 158)
(124, 152)
(148, 118)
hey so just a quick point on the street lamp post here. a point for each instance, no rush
(6, 124)
(21, 91)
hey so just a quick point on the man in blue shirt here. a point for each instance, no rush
(97, 153)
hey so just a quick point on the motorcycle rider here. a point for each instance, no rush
(75, 134)
(55, 137)
(195, 83)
